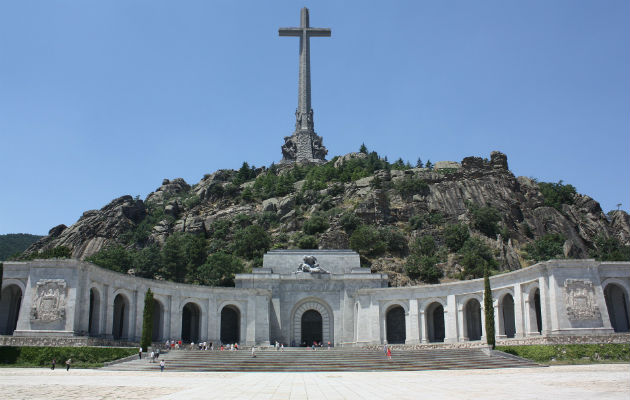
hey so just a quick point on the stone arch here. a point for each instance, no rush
(121, 319)
(94, 316)
(618, 307)
(191, 322)
(472, 319)
(434, 320)
(230, 324)
(507, 322)
(395, 327)
(10, 304)
(157, 331)
(535, 310)
(327, 320)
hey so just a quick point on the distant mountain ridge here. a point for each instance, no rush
(416, 224)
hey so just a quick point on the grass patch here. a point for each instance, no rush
(571, 353)
(82, 357)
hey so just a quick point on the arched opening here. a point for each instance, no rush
(10, 309)
(95, 309)
(435, 322)
(617, 305)
(507, 316)
(395, 325)
(230, 325)
(191, 317)
(120, 328)
(327, 329)
(158, 321)
(312, 327)
(472, 313)
(535, 313)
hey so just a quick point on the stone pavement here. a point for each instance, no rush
(599, 381)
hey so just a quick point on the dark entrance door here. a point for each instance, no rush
(190, 323)
(395, 325)
(311, 327)
(229, 325)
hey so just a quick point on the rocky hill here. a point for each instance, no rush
(417, 224)
(15, 243)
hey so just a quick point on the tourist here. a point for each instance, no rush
(140, 353)
(152, 357)
(211, 346)
(221, 346)
(253, 351)
(329, 345)
(68, 362)
(157, 353)
(389, 353)
(281, 346)
(168, 344)
(314, 344)
(277, 345)
(52, 366)
(162, 364)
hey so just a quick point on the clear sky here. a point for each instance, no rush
(104, 98)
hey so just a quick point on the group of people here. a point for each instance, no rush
(177, 345)
(54, 363)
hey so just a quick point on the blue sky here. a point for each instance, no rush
(104, 98)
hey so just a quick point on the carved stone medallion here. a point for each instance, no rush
(49, 300)
(579, 297)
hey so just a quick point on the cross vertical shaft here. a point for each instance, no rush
(304, 144)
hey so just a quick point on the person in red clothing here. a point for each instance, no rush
(389, 353)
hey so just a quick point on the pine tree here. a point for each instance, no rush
(429, 164)
(488, 309)
(147, 321)
(419, 163)
(363, 149)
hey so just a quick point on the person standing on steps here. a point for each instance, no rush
(52, 366)
(254, 351)
(389, 353)
(140, 353)
(162, 364)
(68, 362)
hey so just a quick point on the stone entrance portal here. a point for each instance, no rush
(395, 325)
(311, 327)
(312, 321)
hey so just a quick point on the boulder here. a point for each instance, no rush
(270, 205)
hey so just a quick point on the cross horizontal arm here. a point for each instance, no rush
(315, 32)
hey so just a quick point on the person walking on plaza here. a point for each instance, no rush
(52, 366)
(152, 357)
(140, 353)
(157, 353)
(162, 364)
(68, 362)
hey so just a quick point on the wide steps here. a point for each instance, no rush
(307, 360)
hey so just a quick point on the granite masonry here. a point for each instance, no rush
(299, 297)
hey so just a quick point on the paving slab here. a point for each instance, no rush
(571, 382)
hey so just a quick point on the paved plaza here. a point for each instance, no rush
(602, 381)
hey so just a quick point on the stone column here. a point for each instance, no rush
(519, 319)
(250, 322)
(424, 337)
(109, 314)
(213, 320)
(262, 320)
(176, 317)
(543, 283)
(483, 321)
(412, 333)
(461, 327)
(133, 316)
(167, 317)
(499, 323)
(451, 320)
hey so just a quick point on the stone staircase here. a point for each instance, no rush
(337, 359)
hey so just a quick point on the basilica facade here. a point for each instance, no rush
(298, 298)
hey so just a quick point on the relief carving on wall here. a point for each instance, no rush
(49, 300)
(579, 296)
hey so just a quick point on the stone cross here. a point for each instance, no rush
(304, 144)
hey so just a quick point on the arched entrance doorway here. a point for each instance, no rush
(312, 330)
(617, 305)
(191, 318)
(395, 325)
(535, 312)
(10, 309)
(95, 310)
(324, 311)
(230, 325)
(435, 322)
(472, 313)
(507, 316)
(158, 321)
(120, 328)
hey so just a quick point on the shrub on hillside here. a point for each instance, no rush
(475, 256)
(219, 270)
(485, 220)
(557, 194)
(367, 241)
(546, 247)
(315, 224)
(455, 236)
